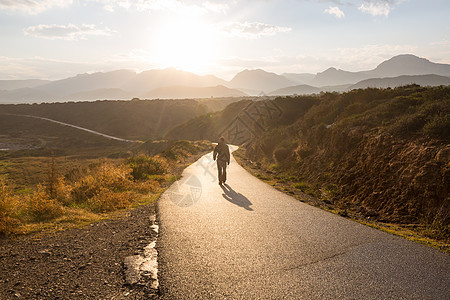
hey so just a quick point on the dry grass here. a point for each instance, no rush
(90, 191)
(8, 209)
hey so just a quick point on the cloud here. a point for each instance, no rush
(66, 32)
(334, 10)
(253, 30)
(444, 43)
(38, 68)
(32, 7)
(370, 55)
(216, 7)
(196, 9)
(55, 69)
(378, 7)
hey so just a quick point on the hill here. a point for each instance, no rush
(375, 154)
(86, 82)
(241, 121)
(333, 76)
(7, 85)
(259, 80)
(120, 84)
(39, 138)
(133, 120)
(182, 92)
(153, 79)
(107, 93)
(24, 95)
(139, 119)
(422, 80)
(302, 89)
(405, 64)
(299, 78)
(408, 64)
(305, 89)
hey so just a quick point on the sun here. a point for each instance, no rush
(185, 43)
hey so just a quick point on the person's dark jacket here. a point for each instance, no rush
(221, 152)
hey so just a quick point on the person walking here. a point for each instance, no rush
(222, 154)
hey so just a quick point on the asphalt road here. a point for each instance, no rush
(250, 241)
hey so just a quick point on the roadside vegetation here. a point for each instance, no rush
(89, 191)
(379, 156)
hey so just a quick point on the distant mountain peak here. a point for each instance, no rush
(407, 56)
(259, 80)
(254, 71)
(405, 59)
(409, 64)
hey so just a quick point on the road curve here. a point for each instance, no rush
(77, 127)
(250, 241)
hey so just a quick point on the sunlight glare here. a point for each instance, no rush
(185, 43)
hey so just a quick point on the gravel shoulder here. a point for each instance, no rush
(83, 263)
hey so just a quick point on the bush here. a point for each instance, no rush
(281, 154)
(181, 149)
(63, 191)
(84, 189)
(408, 124)
(143, 167)
(107, 200)
(102, 175)
(41, 208)
(8, 209)
(439, 126)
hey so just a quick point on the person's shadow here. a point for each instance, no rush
(235, 198)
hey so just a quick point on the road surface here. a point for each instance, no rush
(250, 241)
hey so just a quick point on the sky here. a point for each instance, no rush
(55, 39)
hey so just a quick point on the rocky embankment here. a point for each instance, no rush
(397, 180)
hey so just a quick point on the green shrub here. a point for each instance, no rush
(408, 124)
(181, 150)
(281, 154)
(439, 126)
(145, 166)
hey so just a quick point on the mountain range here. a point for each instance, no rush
(172, 83)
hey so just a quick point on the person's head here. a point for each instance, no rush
(222, 139)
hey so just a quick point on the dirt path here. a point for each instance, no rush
(85, 263)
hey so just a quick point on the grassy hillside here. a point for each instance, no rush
(256, 114)
(378, 154)
(137, 119)
(207, 126)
